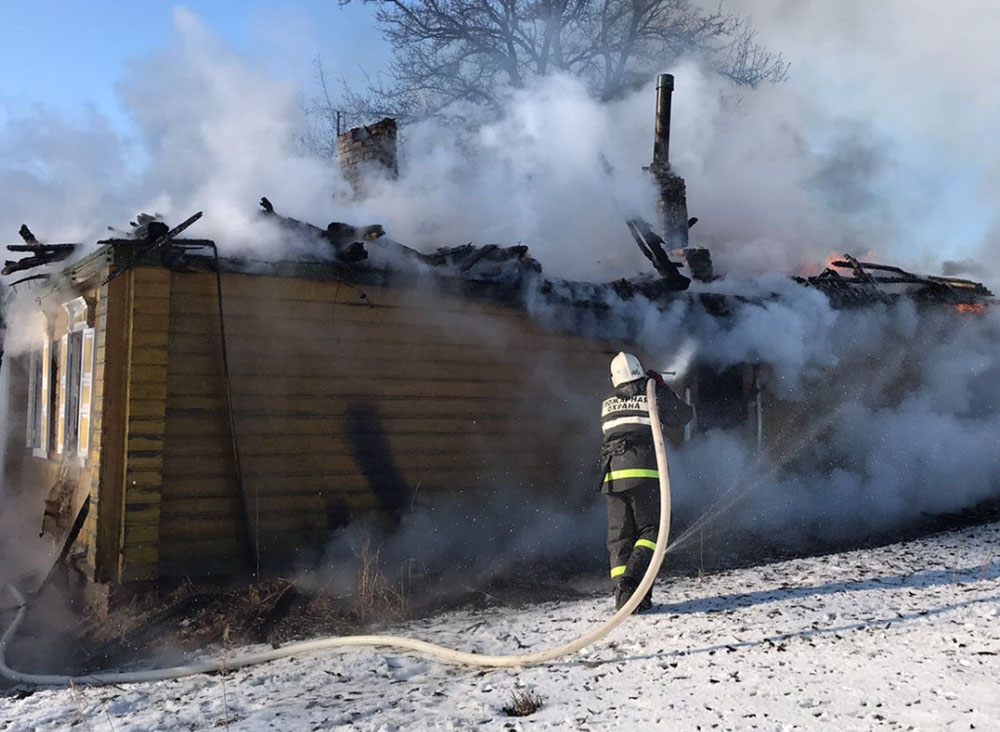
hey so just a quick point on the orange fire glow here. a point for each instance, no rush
(971, 308)
(811, 270)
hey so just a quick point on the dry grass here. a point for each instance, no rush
(522, 704)
(376, 596)
(226, 644)
(194, 616)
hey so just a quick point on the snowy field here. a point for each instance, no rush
(902, 637)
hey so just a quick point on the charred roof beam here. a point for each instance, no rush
(40, 253)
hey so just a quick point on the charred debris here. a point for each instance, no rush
(38, 254)
(508, 274)
(868, 283)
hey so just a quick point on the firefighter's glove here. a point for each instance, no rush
(656, 377)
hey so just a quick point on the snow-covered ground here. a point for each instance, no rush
(902, 637)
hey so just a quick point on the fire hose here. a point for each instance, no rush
(380, 641)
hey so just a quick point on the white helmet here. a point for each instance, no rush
(625, 368)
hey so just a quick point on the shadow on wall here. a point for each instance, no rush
(373, 454)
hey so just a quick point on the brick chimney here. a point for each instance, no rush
(369, 150)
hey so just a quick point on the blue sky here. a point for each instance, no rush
(70, 55)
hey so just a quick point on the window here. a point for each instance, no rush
(73, 343)
(730, 400)
(53, 393)
(722, 398)
(75, 368)
(39, 399)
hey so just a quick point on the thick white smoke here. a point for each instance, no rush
(906, 416)
(890, 105)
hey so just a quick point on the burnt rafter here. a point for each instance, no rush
(157, 238)
(651, 245)
(40, 253)
(348, 241)
(868, 281)
(966, 287)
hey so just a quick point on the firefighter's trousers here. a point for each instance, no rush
(633, 522)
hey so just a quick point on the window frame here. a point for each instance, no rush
(39, 413)
(76, 382)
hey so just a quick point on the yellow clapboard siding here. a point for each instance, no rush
(142, 426)
(193, 527)
(410, 340)
(332, 405)
(145, 303)
(154, 339)
(357, 323)
(269, 287)
(147, 398)
(200, 506)
(145, 275)
(214, 507)
(325, 383)
(153, 373)
(140, 554)
(142, 514)
(279, 313)
(348, 387)
(148, 391)
(149, 355)
(143, 478)
(151, 322)
(144, 444)
(213, 549)
(217, 424)
(414, 343)
(280, 485)
(147, 408)
(134, 571)
(111, 389)
(189, 446)
(138, 535)
(159, 288)
(261, 468)
(143, 461)
(145, 494)
(482, 364)
(343, 463)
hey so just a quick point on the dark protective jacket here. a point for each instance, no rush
(627, 455)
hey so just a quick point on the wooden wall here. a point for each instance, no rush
(132, 393)
(348, 400)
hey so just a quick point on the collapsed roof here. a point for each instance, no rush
(508, 272)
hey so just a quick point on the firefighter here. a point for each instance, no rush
(629, 474)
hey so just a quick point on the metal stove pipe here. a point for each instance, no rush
(661, 142)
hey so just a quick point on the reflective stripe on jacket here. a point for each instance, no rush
(627, 455)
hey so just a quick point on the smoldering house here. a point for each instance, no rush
(190, 416)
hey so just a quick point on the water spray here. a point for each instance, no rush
(380, 641)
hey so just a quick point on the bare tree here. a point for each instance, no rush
(448, 51)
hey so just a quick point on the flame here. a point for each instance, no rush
(971, 308)
(811, 270)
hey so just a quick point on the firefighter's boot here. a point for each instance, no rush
(635, 569)
(647, 602)
(623, 591)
